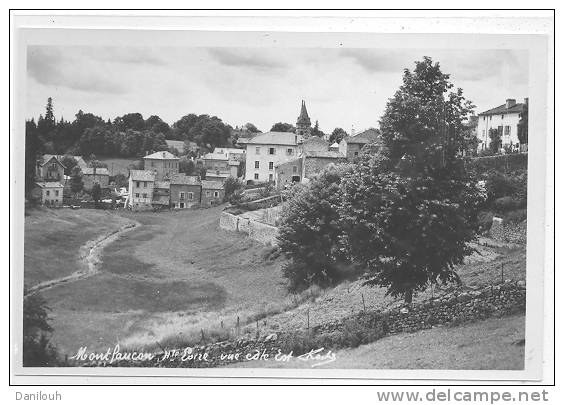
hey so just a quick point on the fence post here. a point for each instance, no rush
(363, 303)
(308, 319)
(502, 279)
(203, 337)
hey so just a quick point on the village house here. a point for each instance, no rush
(223, 163)
(141, 185)
(266, 151)
(49, 168)
(351, 146)
(93, 175)
(164, 164)
(185, 191)
(161, 194)
(306, 167)
(49, 193)
(212, 193)
(504, 118)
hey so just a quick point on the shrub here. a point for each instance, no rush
(516, 216)
(485, 219)
(37, 348)
(505, 204)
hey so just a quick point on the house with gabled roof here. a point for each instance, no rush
(49, 168)
(351, 146)
(212, 193)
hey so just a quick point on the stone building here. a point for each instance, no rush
(164, 164)
(351, 146)
(93, 175)
(49, 169)
(185, 191)
(212, 193)
(49, 193)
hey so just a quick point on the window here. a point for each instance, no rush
(257, 164)
(290, 151)
(144, 184)
(144, 195)
(137, 184)
(256, 176)
(270, 165)
(208, 193)
(56, 193)
(270, 177)
(272, 151)
(257, 150)
(190, 195)
(501, 116)
(216, 194)
(294, 169)
(507, 130)
(136, 195)
(47, 193)
(181, 205)
(356, 153)
(182, 195)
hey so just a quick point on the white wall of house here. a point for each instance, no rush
(507, 121)
(140, 192)
(267, 161)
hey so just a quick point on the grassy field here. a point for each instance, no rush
(176, 274)
(493, 344)
(53, 239)
(118, 165)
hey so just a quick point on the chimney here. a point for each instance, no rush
(510, 102)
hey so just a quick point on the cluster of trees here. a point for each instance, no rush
(37, 348)
(406, 213)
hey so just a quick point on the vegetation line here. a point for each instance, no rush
(89, 258)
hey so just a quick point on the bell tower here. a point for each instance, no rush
(303, 125)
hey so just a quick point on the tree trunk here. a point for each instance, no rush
(408, 296)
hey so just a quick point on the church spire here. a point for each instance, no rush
(303, 125)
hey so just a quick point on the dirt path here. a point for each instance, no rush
(89, 258)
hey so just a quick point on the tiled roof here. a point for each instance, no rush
(367, 136)
(162, 184)
(325, 154)
(289, 162)
(142, 175)
(212, 185)
(275, 138)
(183, 179)
(315, 143)
(46, 158)
(502, 109)
(164, 155)
(49, 184)
(99, 170)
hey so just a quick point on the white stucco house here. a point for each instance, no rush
(266, 151)
(504, 118)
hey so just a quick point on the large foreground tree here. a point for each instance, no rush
(409, 211)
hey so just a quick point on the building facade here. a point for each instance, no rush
(504, 119)
(93, 175)
(164, 164)
(266, 151)
(351, 146)
(185, 191)
(49, 193)
(50, 169)
(141, 185)
(212, 193)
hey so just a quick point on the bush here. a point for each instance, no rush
(485, 219)
(506, 204)
(517, 216)
(37, 349)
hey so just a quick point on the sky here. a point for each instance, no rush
(341, 87)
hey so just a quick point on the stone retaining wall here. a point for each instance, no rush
(263, 233)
